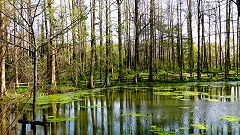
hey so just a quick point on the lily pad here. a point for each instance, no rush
(60, 98)
(199, 126)
(184, 107)
(184, 128)
(60, 119)
(230, 118)
(164, 93)
(134, 114)
(211, 100)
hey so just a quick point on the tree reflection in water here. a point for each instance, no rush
(133, 110)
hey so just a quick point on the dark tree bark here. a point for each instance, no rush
(199, 38)
(101, 38)
(136, 51)
(227, 53)
(93, 45)
(107, 79)
(190, 38)
(150, 78)
(120, 70)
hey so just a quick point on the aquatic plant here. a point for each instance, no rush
(134, 114)
(199, 126)
(59, 119)
(61, 98)
(230, 118)
(160, 131)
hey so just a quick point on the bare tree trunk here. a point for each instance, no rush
(101, 38)
(93, 44)
(53, 48)
(204, 52)
(220, 34)
(15, 49)
(120, 70)
(150, 78)
(199, 50)
(233, 40)
(179, 41)
(190, 38)
(3, 28)
(227, 57)
(136, 62)
(107, 79)
(209, 43)
(74, 46)
(128, 36)
(238, 41)
(216, 47)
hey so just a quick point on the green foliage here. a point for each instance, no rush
(22, 90)
(129, 73)
(206, 79)
(65, 88)
(234, 78)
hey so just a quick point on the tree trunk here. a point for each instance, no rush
(204, 48)
(238, 41)
(209, 43)
(220, 34)
(190, 38)
(227, 57)
(3, 27)
(199, 50)
(216, 47)
(150, 78)
(107, 79)
(52, 48)
(93, 44)
(136, 62)
(74, 45)
(101, 38)
(179, 41)
(120, 70)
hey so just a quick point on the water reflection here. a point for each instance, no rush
(126, 110)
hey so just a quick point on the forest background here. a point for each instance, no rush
(53, 44)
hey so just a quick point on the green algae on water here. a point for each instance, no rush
(230, 118)
(211, 100)
(134, 114)
(199, 126)
(185, 107)
(60, 119)
(61, 98)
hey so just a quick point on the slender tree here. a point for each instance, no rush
(107, 79)
(199, 38)
(220, 34)
(137, 34)
(93, 45)
(227, 44)
(216, 33)
(190, 38)
(74, 61)
(120, 70)
(101, 38)
(150, 78)
(3, 47)
(52, 47)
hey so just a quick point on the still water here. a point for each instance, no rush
(211, 109)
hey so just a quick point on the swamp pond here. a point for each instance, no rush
(189, 108)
